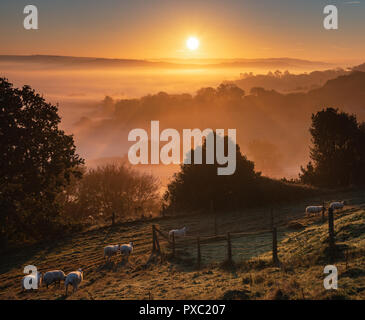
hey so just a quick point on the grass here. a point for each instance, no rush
(302, 252)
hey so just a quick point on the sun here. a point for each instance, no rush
(192, 43)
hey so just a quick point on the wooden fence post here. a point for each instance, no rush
(229, 247)
(215, 225)
(113, 218)
(323, 211)
(275, 258)
(331, 233)
(153, 238)
(173, 244)
(271, 218)
(158, 249)
(199, 253)
(155, 243)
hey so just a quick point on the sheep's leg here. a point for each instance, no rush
(66, 289)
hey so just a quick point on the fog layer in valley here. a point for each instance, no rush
(101, 101)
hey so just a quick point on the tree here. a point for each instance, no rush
(230, 90)
(206, 94)
(197, 184)
(111, 190)
(38, 161)
(337, 154)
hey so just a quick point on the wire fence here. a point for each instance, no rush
(221, 247)
(226, 247)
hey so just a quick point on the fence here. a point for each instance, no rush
(198, 241)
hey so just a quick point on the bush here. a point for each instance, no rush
(111, 190)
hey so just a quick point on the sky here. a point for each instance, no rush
(158, 29)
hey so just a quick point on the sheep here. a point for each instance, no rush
(74, 278)
(177, 232)
(337, 204)
(111, 250)
(55, 276)
(126, 249)
(313, 209)
(31, 278)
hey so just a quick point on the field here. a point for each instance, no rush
(302, 253)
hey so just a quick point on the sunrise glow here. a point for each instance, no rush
(192, 43)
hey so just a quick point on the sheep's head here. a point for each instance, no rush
(131, 244)
(344, 202)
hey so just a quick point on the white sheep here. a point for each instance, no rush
(337, 204)
(55, 276)
(111, 250)
(313, 209)
(32, 278)
(177, 232)
(74, 278)
(126, 249)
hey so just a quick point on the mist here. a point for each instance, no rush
(101, 101)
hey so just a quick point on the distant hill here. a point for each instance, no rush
(286, 82)
(68, 61)
(344, 92)
(360, 67)
(87, 62)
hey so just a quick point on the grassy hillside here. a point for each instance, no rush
(302, 253)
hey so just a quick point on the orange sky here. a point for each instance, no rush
(159, 28)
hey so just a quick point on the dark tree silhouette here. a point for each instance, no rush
(197, 185)
(37, 162)
(230, 90)
(337, 154)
